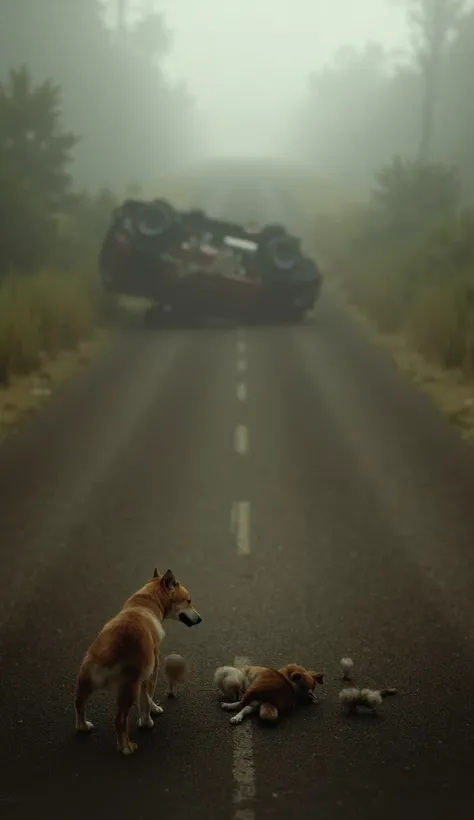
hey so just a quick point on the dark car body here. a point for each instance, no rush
(194, 265)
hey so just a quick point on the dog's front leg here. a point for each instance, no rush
(247, 710)
(232, 707)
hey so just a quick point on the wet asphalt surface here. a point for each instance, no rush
(360, 542)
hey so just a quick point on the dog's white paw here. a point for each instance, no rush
(228, 707)
(145, 722)
(87, 726)
(129, 749)
(155, 709)
(236, 719)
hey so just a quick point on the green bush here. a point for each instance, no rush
(406, 259)
(50, 296)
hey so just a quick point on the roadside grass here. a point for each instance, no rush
(416, 298)
(44, 314)
(55, 319)
(51, 323)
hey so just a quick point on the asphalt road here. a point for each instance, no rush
(355, 511)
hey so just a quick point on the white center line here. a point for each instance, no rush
(243, 766)
(241, 365)
(241, 346)
(242, 391)
(240, 526)
(241, 439)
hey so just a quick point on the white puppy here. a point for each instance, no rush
(232, 682)
(369, 698)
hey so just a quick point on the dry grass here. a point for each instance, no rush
(43, 315)
(440, 325)
(53, 321)
(452, 390)
(415, 300)
(26, 393)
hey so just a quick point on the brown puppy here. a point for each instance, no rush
(124, 657)
(276, 692)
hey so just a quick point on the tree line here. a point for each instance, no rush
(398, 135)
(372, 103)
(131, 120)
(84, 109)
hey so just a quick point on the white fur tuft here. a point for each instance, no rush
(229, 680)
(349, 696)
(370, 697)
(353, 697)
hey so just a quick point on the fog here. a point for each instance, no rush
(338, 85)
(248, 61)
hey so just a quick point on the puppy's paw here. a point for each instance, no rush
(155, 709)
(228, 707)
(85, 727)
(145, 722)
(236, 719)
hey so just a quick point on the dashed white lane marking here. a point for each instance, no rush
(241, 346)
(241, 365)
(242, 391)
(243, 767)
(240, 526)
(241, 439)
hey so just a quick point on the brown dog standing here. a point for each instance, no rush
(276, 692)
(124, 657)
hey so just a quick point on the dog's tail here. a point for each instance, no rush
(387, 693)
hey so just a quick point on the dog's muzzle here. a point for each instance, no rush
(190, 619)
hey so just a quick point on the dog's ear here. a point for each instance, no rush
(168, 580)
(296, 677)
(156, 574)
(318, 677)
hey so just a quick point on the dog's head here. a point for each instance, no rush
(176, 599)
(303, 680)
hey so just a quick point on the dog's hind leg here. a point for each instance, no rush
(151, 686)
(84, 690)
(268, 712)
(146, 704)
(247, 710)
(128, 694)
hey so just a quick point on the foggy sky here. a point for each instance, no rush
(247, 61)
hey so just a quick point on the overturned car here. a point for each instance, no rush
(192, 265)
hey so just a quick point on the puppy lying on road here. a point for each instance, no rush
(274, 692)
(124, 657)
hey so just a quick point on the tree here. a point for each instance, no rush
(34, 180)
(359, 113)
(411, 195)
(433, 24)
(151, 36)
(116, 94)
(33, 145)
(27, 229)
